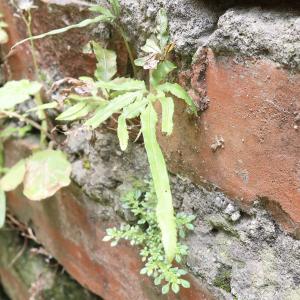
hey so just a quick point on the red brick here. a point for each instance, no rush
(251, 107)
(70, 228)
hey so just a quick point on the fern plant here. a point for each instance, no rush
(131, 99)
(146, 234)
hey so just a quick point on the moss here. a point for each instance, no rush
(34, 273)
(219, 223)
(222, 280)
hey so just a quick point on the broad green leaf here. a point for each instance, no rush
(44, 106)
(134, 109)
(163, 69)
(162, 23)
(46, 172)
(107, 62)
(115, 4)
(179, 92)
(15, 92)
(122, 84)
(112, 107)
(13, 177)
(81, 24)
(167, 105)
(151, 46)
(3, 36)
(2, 207)
(122, 132)
(164, 208)
(75, 112)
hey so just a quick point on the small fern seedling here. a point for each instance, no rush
(146, 234)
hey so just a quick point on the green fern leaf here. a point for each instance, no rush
(167, 105)
(107, 62)
(115, 7)
(163, 69)
(75, 112)
(164, 209)
(102, 11)
(81, 24)
(134, 109)
(112, 107)
(122, 84)
(2, 208)
(122, 132)
(162, 24)
(179, 92)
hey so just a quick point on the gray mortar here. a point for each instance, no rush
(191, 21)
(238, 255)
(251, 32)
(261, 33)
(231, 27)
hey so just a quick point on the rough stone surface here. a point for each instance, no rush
(26, 276)
(71, 227)
(191, 21)
(261, 33)
(258, 258)
(245, 258)
(246, 142)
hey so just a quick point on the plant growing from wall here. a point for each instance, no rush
(146, 234)
(107, 95)
(131, 99)
(45, 171)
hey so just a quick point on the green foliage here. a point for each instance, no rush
(164, 208)
(2, 208)
(146, 234)
(15, 92)
(130, 98)
(3, 33)
(84, 23)
(42, 174)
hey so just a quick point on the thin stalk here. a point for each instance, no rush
(42, 116)
(28, 21)
(131, 58)
(12, 114)
(38, 100)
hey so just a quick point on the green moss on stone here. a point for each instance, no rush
(222, 280)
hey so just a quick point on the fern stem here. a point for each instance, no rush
(130, 54)
(28, 21)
